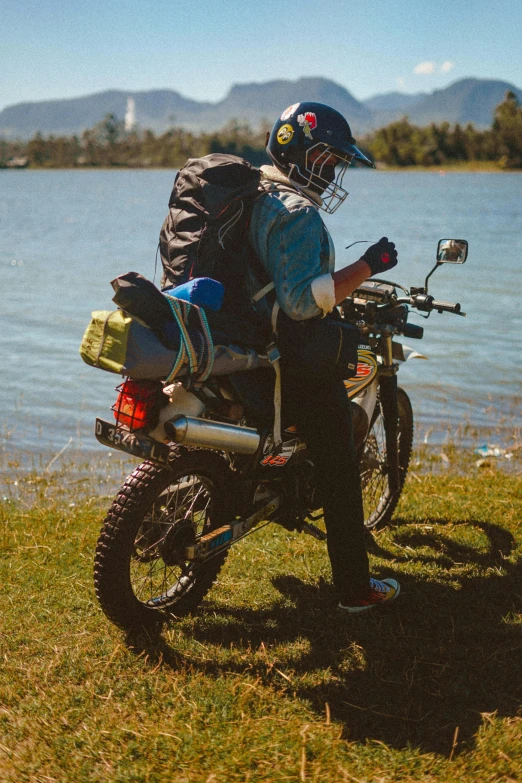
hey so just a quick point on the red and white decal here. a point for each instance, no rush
(285, 452)
(289, 112)
(366, 372)
(363, 370)
(275, 461)
(308, 122)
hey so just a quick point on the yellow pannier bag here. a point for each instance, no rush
(104, 343)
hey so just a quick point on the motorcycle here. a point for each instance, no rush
(207, 480)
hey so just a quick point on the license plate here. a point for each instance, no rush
(137, 445)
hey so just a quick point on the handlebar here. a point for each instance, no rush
(449, 307)
(427, 303)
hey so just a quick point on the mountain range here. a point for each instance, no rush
(466, 100)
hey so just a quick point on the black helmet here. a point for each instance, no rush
(302, 143)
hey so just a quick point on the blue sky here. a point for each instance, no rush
(67, 48)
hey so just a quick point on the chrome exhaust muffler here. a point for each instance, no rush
(190, 431)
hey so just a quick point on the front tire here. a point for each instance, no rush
(378, 501)
(141, 577)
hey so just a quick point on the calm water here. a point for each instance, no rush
(65, 234)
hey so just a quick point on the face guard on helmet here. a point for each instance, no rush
(324, 170)
(313, 145)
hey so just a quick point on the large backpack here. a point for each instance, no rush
(205, 234)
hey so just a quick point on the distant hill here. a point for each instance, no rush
(255, 102)
(155, 109)
(393, 101)
(467, 100)
(163, 109)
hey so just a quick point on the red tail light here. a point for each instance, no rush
(137, 403)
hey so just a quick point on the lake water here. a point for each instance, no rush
(65, 234)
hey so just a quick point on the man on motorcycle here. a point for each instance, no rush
(311, 147)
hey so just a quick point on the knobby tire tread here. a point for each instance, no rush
(406, 427)
(116, 541)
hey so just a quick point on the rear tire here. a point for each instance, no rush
(378, 501)
(140, 576)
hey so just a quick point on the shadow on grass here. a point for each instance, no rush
(407, 675)
(448, 552)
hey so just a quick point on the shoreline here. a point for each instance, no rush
(476, 167)
(100, 472)
(471, 167)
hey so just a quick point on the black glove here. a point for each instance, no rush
(381, 257)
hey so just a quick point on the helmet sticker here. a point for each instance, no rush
(285, 134)
(289, 112)
(308, 122)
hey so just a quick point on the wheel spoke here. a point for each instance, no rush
(141, 575)
(378, 502)
(152, 579)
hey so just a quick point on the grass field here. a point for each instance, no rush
(269, 682)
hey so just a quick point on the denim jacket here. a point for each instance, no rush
(293, 244)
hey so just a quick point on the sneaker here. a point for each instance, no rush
(381, 592)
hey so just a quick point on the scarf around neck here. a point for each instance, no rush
(272, 174)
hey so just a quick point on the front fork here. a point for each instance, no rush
(390, 411)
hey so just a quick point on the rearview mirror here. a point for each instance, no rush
(452, 251)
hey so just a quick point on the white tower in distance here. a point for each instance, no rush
(130, 114)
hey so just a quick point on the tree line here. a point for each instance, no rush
(398, 144)
(404, 144)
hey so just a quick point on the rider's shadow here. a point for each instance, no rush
(443, 550)
(408, 675)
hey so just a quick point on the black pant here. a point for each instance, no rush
(321, 409)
